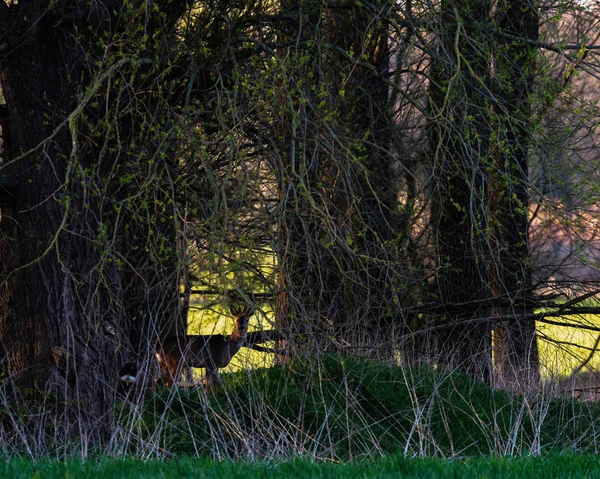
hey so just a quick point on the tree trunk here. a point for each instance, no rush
(337, 184)
(459, 136)
(63, 327)
(366, 202)
(515, 343)
(304, 264)
(63, 293)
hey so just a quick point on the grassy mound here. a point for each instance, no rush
(345, 408)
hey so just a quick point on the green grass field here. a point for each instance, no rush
(563, 467)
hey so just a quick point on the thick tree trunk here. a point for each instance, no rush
(367, 201)
(515, 343)
(304, 270)
(63, 327)
(58, 330)
(459, 136)
(340, 201)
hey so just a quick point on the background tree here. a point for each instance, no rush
(459, 140)
(516, 354)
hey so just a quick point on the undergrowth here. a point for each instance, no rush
(334, 408)
(343, 408)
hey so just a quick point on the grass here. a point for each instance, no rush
(342, 408)
(329, 408)
(389, 467)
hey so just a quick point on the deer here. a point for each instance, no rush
(211, 352)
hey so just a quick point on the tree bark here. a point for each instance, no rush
(366, 202)
(515, 344)
(459, 136)
(65, 323)
(303, 301)
(62, 292)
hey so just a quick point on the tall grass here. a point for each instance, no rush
(342, 408)
(332, 408)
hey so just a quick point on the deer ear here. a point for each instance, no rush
(234, 311)
(248, 311)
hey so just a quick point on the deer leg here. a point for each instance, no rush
(167, 376)
(189, 376)
(211, 381)
(166, 370)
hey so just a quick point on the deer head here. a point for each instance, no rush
(241, 323)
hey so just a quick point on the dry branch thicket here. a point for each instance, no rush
(408, 181)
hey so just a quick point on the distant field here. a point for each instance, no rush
(562, 349)
(563, 467)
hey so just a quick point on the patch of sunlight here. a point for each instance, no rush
(562, 348)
